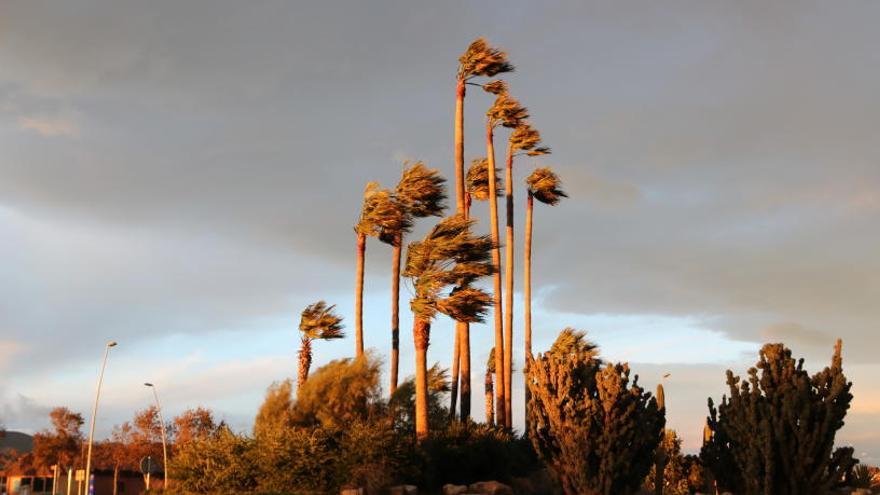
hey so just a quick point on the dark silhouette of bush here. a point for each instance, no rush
(775, 432)
(587, 422)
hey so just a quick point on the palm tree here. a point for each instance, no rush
(544, 185)
(379, 213)
(420, 193)
(506, 111)
(479, 188)
(479, 60)
(442, 268)
(318, 322)
(523, 140)
(490, 386)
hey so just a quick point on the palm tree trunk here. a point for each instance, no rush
(496, 264)
(305, 362)
(459, 145)
(456, 359)
(395, 312)
(508, 296)
(421, 337)
(465, 380)
(359, 296)
(527, 299)
(490, 416)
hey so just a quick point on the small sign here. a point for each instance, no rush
(80, 475)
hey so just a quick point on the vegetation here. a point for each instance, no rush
(586, 421)
(775, 432)
(318, 322)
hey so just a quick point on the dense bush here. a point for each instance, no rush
(220, 463)
(587, 422)
(340, 393)
(775, 433)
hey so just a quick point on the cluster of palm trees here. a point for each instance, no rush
(446, 264)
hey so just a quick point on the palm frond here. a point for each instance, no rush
(382, 215)
(507, 111)
(467, 304)
(481, 59)
(477, 180)
(545, 186)
(421, 191)
(438, 378)
(496, 87)
(571, 341)
(490, 362)
(527, 138)
(318, 321)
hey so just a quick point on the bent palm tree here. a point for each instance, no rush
(508, 112)
(544, 185)
(318, 322)
(379, 213)
(442, 268)
(523, 140)
(420, 193)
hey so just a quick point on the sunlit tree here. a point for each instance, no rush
(317, 322)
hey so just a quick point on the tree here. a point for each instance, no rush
(194, 424)
(317, 322)
(379, 213)
(544, 185)
(421, 193)
(146, 434)
(490, 388)
(775, 432)
(677, 469)
(402, 406)
(523, 140)
(339, 393)
(479, 60)
(442, 268)
(276, 412)
(62, 444)
(587, 422)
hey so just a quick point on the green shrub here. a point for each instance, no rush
(340, 393)
(220, 463)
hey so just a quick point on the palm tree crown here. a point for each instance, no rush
(421, 191)
(318, 321)
(449, 255)
(507, 111)
(481, 59)
(526, 139)
(545, 186)
(478, 180)
(381, 214)
(571, 341)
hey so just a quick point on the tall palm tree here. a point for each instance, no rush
(443, 266)
(479, 60)
(523, 140)
(420, 193)
(544, 185)
(482, 189)
(380, 213)
(507, 112)
(318, 322)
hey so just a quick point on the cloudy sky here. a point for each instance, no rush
(183, 177)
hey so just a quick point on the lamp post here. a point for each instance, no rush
(164, 445)
(95, 413)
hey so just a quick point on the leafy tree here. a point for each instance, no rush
(317, 322)
(442, 267)
(340, 393)
(775, 432)
(587, 422)
(62, 444)
(193, 424)
(276, 412)
(402, 405)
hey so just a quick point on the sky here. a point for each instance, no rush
(183, 178)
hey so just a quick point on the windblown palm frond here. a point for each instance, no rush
(449, 258)
(496, 87)
(319, 322)
(545, 186)
(507, 111)
(571, 341)
(438, 378)
(381, 215)
(478, 180)
(526, 138)
(421, 191)
(481, 59)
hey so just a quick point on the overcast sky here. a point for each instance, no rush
(183, 177)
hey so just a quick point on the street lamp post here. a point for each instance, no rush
(95, 413)
(164, 444)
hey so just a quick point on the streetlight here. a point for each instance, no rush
(95, 413)
(164, 446)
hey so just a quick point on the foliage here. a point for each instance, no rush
(194, 424)
(481, 59)
(587, 422)
(221, 463)
(677, 469)
(545, 186)
(62, 444)
(775, 433)
(506, 111)
(401, 405)
(340, 393)
(318, 321)
(421, 191)
(381, 214)
(526, 138)
(276, 412)
(478, 180)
